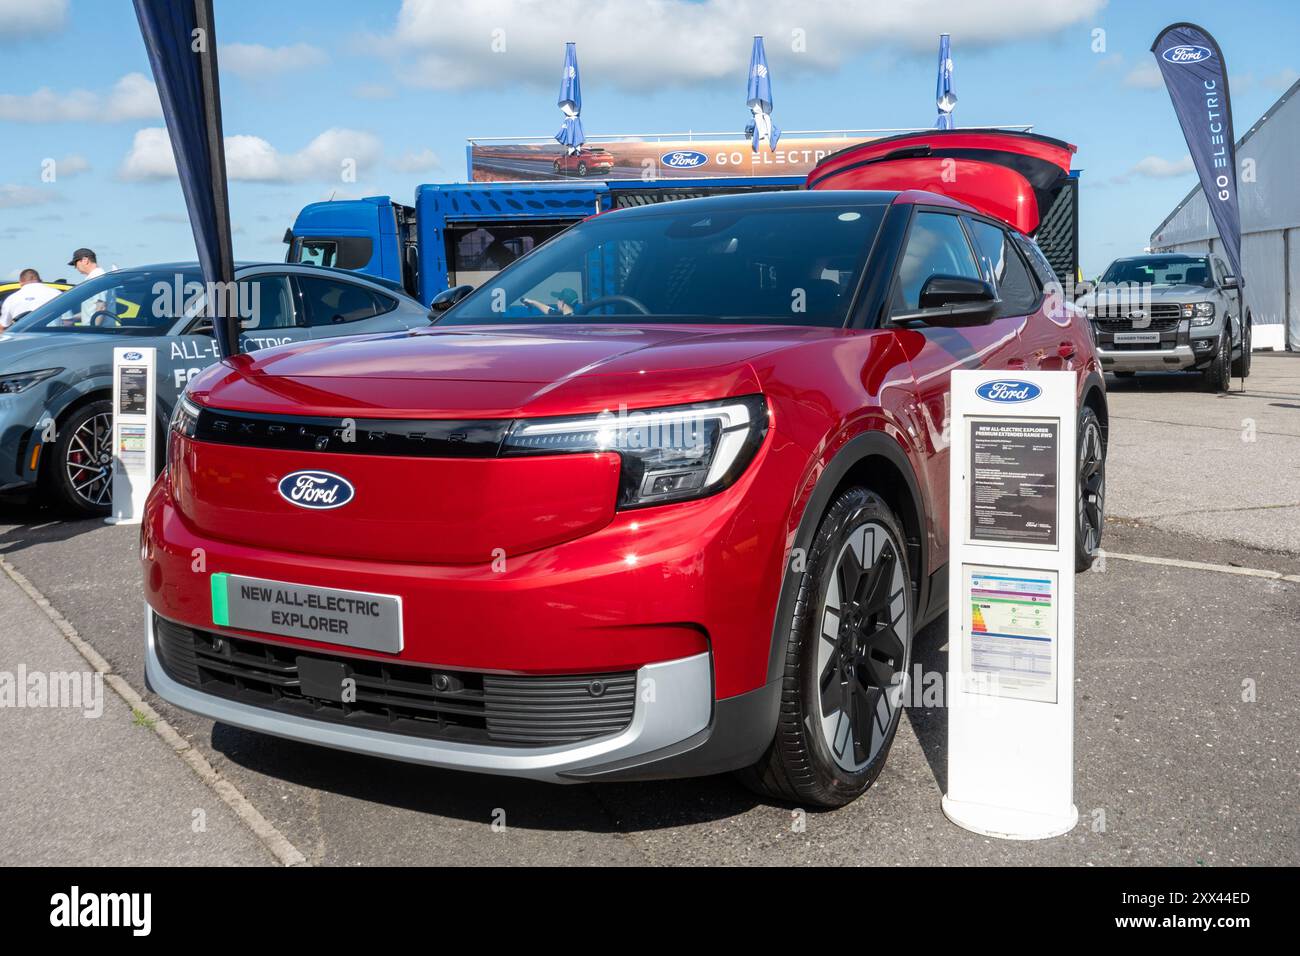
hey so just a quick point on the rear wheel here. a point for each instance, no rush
(1090, 512)
(846, 659)
(1241, 366)
(79, 468)
(582, 169)
(1215, 377)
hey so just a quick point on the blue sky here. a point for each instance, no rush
(398, 87)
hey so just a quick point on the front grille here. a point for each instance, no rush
(1127, 325)
(464, 706)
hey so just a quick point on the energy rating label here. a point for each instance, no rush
(1010, 647)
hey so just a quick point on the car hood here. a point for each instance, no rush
(497, 372)
(1126, 296)
(28, 351)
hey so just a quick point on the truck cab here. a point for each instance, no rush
(375, 236)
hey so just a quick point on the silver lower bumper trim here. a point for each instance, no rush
(674, 702)
(1146, 360)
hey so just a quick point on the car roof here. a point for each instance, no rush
(767, 199)
(243, 266)
(1164, 257)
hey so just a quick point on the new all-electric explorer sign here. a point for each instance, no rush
(352, 618)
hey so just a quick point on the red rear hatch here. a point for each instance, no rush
(1014, 177)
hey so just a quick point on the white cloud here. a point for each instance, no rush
(374, 91)
(1282, 80)
(1144, 76)
(133, 97)
(425, 161)
(1157, 167)
(71, 165)
(13, 196)
(643, 44)
(20, 18)
(253, 60)
(253, 159)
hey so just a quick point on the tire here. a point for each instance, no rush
(1215, 377)
(79, 468)
(1090, 509)
(840, 689)
(1241, 366)
(582, 169)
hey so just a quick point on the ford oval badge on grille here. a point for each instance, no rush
(1008, 390)
(318, 490)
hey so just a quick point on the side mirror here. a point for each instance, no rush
(445, 299)
(954, 302)
(1231, 282)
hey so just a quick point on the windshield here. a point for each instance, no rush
(135, 302)
(1174, 270)
(682, 262)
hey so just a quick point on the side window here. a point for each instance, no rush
(268, 303)
(1001, 264)
(330, 302)
(1038, 262)
(936, 245)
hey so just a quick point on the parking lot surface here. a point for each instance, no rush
(1187, 749)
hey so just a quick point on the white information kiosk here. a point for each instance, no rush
(134, 424)
(1011, 604)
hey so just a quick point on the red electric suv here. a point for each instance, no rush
(665, 497)
(587, 161)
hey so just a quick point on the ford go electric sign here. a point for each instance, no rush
(318, 490)
(1187, 54)
(1008, 391)
(684, 159)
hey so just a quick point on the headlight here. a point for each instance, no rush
(185, 421)
(1201, 313)
(669, 454)
(12, 384)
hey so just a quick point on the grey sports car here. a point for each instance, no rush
(56, 363)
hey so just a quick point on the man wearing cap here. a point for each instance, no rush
(84, 261)
(30, 294)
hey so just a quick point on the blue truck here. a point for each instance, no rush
(463, 233)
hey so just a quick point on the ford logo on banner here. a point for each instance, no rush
(132, 356)
(683, 159)
(318, 490)
(1008, 390)
(1187, 54)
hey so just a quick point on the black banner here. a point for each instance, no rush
(180, 38)
(1197, 79)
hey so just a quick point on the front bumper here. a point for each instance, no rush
(1147, 360)
(674, 706)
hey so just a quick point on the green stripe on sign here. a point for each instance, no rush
(220, 601)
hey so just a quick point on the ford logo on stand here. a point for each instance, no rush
(1187, 54)
(318, 490)
(1008, 390)
(683, 159)
(132, 356)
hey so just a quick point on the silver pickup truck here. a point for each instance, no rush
(1167, 312)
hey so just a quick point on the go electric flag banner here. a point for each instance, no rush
(1197, 79)
(182, 45)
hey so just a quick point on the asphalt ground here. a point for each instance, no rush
(1186, 744)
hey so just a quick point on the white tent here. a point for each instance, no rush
(1269, 191)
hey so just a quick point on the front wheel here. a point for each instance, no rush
(1215, 377)
(850, 640)
(1090, 511)
(79, 468)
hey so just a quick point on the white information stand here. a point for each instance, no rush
(134, 425)
(1011, 604)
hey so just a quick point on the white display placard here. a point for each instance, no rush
(134, 426)
(1011, 603)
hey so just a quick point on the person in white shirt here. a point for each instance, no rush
(85, 262)
(30, 294)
